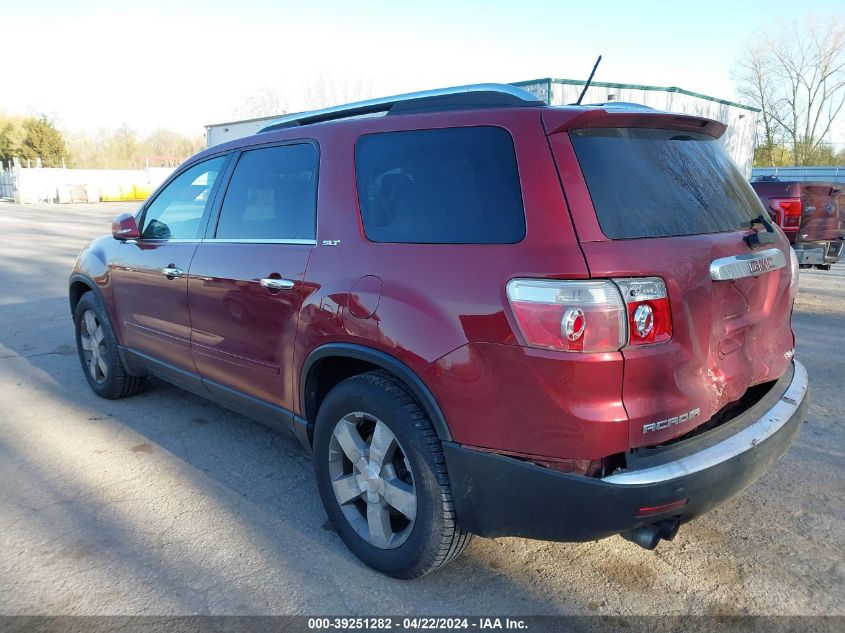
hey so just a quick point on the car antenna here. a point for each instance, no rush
(589, 81)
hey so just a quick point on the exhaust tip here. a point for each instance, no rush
(648, 536)
(669, 529)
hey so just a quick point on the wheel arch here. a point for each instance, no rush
(348, 359)
(79, 285)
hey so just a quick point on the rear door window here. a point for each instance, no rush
(440, 186)
(660, 183)
(272, 195)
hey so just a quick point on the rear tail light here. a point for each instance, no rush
(788, 210)
(591, 316)
(649, 315)
(570, 316)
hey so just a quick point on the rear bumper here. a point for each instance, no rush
(500, 496)
(818, 253)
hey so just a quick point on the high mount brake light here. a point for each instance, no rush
(590, 316)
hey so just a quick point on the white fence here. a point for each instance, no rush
(7, 184)
(59, 185)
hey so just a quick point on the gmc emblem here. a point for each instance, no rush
(761, 265)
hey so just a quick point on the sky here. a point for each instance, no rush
(184, 64)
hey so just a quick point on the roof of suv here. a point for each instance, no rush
(486, 96)
(503, 96)
(458, 97)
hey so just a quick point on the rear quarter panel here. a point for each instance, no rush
(435, 298)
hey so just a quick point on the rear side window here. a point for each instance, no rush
(443, 186)
(272, 195)
(660, 183)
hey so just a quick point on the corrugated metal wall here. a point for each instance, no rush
(803, 174)
(741, 121)
(221, 132)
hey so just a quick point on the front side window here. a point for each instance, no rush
(272, 195)
(177, 211)
(440, 186)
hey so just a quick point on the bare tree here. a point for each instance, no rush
(121, 147)
(756, 81)
(795, 74)
(263, 102)
(323, 91)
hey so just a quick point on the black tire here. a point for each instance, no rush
(433, 539)
(115, 382)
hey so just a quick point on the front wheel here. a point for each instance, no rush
(382, 477)
(97, 346)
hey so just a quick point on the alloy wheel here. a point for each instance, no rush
(93, 341)
(372, 480)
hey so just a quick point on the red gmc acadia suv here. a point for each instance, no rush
(483, 315)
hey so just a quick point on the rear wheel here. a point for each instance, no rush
(382, 477)
(97, 346)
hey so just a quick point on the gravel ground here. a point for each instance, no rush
(167, 504)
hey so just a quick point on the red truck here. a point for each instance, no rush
(482, 315)
(811, 214)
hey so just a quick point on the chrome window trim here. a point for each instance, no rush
(166, 240)
(303, 242)
(739, 266)
(769, 423)
(223, 241)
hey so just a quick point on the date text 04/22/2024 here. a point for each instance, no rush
(416, 623)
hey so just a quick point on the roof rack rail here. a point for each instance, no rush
(475, 95)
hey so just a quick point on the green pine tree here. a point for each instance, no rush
(44, 141)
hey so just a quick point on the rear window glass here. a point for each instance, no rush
(444, 186)
(660, 183)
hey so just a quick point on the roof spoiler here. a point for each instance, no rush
(564, 119)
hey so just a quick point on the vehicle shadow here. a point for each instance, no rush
(218, 514)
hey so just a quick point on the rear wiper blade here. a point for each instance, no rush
(767, 235)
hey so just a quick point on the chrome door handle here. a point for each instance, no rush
(276, 284)
(172, 272)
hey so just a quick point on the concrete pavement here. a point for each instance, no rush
(167, 504)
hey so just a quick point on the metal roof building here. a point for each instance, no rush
(217, 133)
(802, 174)
(740, 119)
